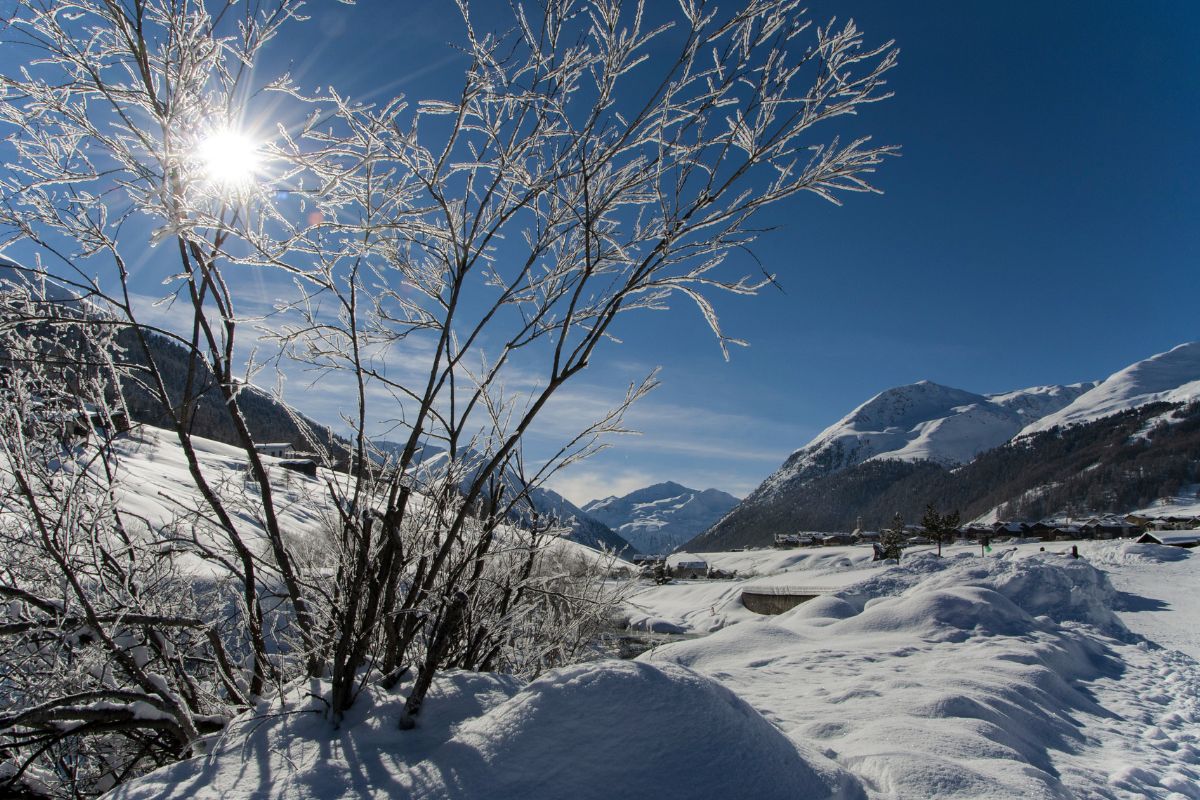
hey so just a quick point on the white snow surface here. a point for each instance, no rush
(1022, 674)
(589, 732)
(1184, 504)
(1171, 377)
(1156, 586)
(704, 606)
(154, 484)
(1005, 676)
(997, 677)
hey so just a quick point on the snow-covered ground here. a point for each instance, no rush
(704, 606)
(1158, 591)
(1184, 504)
(1022, 674)
(154, 485)
(1006, 676)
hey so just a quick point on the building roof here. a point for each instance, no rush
(687, 560)
(1177, 538)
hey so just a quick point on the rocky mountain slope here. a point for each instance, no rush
(907, 446)
(659, 518)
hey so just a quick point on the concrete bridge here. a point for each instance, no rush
(778, 599)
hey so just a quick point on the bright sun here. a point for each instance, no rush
(229, 159)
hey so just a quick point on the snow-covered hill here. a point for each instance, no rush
(924, 421)
(659, 518)
(1170, 377)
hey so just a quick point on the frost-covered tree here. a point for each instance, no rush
(601, 157)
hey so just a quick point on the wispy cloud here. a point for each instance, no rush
(582, 485)
(683, 429)
(689, 443)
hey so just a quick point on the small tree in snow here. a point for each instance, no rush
(940, 527)
(592, 164)
(891, 540)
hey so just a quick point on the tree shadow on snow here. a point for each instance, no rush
(1127, 601)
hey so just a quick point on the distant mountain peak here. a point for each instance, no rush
(659, 518)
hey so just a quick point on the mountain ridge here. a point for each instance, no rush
(933, 429)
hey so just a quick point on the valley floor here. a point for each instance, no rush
(1022, 674)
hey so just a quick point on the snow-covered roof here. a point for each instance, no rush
(686, 560)
(1177, 538)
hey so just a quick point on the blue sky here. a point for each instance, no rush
(1040, 227)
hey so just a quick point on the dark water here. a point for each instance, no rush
(629, 644)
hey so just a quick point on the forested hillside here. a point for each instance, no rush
(268, 419)
(1115, 464)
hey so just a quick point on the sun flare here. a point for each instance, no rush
(228, 158)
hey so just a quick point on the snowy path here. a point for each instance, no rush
(1160, 591)
(1150, 745)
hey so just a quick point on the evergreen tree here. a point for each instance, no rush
(891, 540)
(939, 527)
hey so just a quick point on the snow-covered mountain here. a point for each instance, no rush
(924, 421)
(1170, 377)
(659, 518)
(898, 449)
(585, 529)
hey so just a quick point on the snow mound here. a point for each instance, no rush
(951, 614)
(517, 750)
(1123, 553)
(965, 677)
(1050, 585)
(600, 730)
(289, 749)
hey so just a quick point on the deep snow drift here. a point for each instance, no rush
(611, 729)
(976, 677)
(1007, 676)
